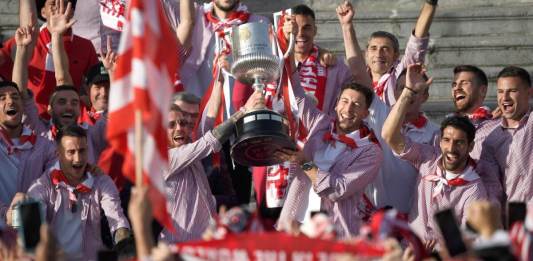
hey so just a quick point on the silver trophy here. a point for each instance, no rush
(260, 133)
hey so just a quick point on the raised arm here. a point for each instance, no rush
(425, 18)
(184, 29)
(354, 55)
(215, 100)
(25, 37)
(59, 22)
(391, 131)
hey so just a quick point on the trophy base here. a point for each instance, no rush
(259, 135)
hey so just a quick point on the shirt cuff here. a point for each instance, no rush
(417, 43)
(212, 141)
(323, 182)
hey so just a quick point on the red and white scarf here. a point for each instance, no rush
(480, 114)
(277, 183)
(237, 17)
(26, 141)
(112, 13)
(442, 184)
(53, 129)
(313, 77)
(418, 123)
(60, 181)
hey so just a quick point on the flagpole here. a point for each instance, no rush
(138, 148)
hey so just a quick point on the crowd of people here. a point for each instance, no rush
(365, 147)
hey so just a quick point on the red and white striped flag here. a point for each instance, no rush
(144, 80)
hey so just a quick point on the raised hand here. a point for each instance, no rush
(345, 13)
(290, 26)
(24, 36)
(109, 59)
(415, 80)
(60, 20)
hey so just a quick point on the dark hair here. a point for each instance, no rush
(7, 84)
(459, 122)
(40, 4)
(514, 71)
(61, 88)
(303, 10)
(391, 37)
(73, 130)
(366, 91)
(479, 74)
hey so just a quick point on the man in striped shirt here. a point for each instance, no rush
(447, 177)
(507, 155)
(469, 89)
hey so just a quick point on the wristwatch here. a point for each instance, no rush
(308, 166)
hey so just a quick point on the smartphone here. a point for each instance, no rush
(29, 232)
(516, 211)
(107, 255)
(450, 232)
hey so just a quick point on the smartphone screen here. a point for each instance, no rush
(450, 232)
(516, 211)
(30, 215)
(107, 255)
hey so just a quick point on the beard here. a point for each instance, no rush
(465, 107)
(226, 8)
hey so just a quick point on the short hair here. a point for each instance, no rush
(7, 84)
(515, 71)
(366, 91)
(391, 37)
(461, 123)
(186, 97)
(72, 130)
(303, 10)
(61, 88)
(39, 4)
(174, 108)
(479, 74)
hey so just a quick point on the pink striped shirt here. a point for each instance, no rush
(96, 139)
(191, 204)
(341, 187)
(103, 195)
(31, 165)
(508, 157)
(426, 158)
(415, 52)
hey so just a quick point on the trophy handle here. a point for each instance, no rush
(290, 47)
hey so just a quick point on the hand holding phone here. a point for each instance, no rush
(450, 232)
(29, 231)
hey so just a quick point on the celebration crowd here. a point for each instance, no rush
(365, 147)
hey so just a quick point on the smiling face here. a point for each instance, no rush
(178, 129)
(99, 95)
(455, 149)
(351, 109)
(380, 55)
(72, 154)
(65, 107)
(467, 93)
(306, 35)
(10, 108)
(513, 96)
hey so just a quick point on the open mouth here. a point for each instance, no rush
(450, 157)
(67, 115)
(460, 97)
(11, 112)
(178, 139)
(77, 166)
(507, 106)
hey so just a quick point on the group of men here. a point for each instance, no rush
(365, 143)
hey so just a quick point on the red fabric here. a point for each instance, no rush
(241, 93)
(111, 162)
(379, 88)
(128, 95)
(481, 113)
(363, 132)
(82, 57)
(283, 43)
(420, 121)
(259, 246)
(27, 139)
(313, 77)
(457, 182)
(89, 116)
(235, 15)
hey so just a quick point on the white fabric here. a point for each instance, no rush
(68, 229)
(468, 174)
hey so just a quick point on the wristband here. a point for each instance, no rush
(413, 91)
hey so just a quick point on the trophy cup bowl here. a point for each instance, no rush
(260, 133)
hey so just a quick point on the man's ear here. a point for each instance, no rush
(49, 109)
(483, 91)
